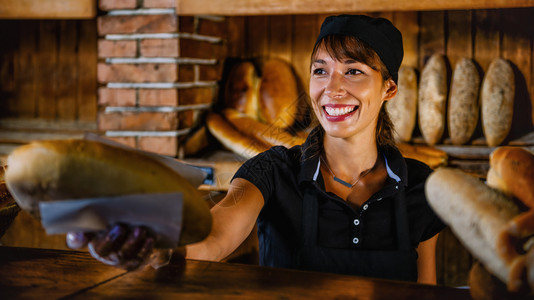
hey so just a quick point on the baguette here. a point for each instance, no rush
(403, 108)
(268, 134)
(232, 138)
(476, 214)
(432, 99)
(463, 102)
(278, 94)
(497, 101)
(74, 169)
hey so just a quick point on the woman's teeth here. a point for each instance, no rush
(339, 111)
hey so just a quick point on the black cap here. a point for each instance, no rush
(378, 33)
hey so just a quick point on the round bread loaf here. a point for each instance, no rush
(402, 109)
(497, 101)
(432, 99)
(463, 101)
(279, 99)
(512, 172)
(241, 89)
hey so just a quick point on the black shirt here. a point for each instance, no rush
(282, 174)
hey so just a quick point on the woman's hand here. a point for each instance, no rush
(121, 246)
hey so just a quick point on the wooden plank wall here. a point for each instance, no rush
(478, 34)
(48, 69)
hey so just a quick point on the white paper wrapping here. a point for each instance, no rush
(160, 213)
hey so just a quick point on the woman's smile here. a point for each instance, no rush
(339, 112)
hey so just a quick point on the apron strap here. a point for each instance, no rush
(310, 215)
(401, 220)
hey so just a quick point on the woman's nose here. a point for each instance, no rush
(335, 86)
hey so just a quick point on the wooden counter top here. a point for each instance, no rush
(37, 273)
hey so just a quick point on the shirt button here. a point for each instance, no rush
(378, 199)
(355, 240)
(365, 207)
(397, 187)
(356, 222)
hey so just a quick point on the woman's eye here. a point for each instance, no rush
(354, 72)
(318, 71)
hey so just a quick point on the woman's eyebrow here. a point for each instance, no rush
(319, 61)
(350, 61)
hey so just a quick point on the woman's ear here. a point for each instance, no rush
(390, 89)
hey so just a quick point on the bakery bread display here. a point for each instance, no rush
(497, 101)
(75, 169)
(463, 102)
(403, 108)
(276, 104)
(432, 99)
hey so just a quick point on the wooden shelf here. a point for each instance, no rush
(47, 9)
(279, 7)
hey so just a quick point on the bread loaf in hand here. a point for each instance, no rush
(403, 108)
(475, 213)
(497, 101)
(432, 99)
(75, 169)
(463, 102)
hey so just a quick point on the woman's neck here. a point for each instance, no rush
(350, 157)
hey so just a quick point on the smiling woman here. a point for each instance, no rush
(371, 218)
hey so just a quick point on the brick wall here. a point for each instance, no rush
(157, 72)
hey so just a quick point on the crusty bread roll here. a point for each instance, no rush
(279, 98)
(512, 172)
(432, 99)
(232, 138)
(476, 214)
(74, 169)
(403, 108)
(497, 101)
(241, 89)
(268, 134)
(463, 101)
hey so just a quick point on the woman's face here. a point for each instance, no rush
(347, 95)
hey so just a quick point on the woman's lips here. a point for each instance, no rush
(338, 113)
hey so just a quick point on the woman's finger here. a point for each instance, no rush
(133, 244)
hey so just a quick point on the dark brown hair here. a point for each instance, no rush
(340, 47)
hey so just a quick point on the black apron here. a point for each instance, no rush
(399, 264)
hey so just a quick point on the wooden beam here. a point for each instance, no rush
(47, 9)
(276, 7)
